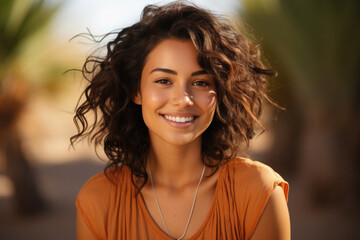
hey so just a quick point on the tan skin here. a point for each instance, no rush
(174, 85)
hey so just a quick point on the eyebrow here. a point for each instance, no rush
(165, 70)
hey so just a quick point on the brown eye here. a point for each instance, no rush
(201, 84)
(163, 81)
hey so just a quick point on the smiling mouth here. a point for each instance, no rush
(178, 119)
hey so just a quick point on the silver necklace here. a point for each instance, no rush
(192, 208)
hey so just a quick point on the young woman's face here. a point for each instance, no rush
(177, 96)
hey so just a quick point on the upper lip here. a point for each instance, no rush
(180, 114)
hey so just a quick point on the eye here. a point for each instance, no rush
(201, 83)
(163, 81)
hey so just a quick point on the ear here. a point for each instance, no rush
(137, 99)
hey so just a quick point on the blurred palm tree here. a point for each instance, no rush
(21, 22)
(315, 47)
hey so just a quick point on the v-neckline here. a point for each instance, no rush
(164, 235)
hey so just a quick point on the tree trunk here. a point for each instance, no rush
(26, 194)
(329, 169)
(28, 199)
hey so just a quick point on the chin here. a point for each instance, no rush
(181, 141)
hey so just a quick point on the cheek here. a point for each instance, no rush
(158, 96)
(152, 98)
(207, 100)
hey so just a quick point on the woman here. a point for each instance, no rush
(175, 101)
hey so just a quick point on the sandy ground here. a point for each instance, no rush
(59, 185)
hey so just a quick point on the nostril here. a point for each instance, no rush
(184, 98)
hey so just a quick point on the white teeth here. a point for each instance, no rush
(179, 119)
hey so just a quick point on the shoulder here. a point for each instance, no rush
(94, 200)
(92, 205)
(97, 185)
(100, 186)
(253, 183)
(94, 196)
(274, 222)
(254, 177)
(248, 166)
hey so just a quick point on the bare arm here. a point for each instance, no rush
(82, 230)
(274, 222)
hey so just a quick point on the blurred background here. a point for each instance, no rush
(314, 144)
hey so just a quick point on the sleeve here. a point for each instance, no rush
(92, 204)
(257, 181)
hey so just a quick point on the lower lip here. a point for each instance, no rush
(179, 124)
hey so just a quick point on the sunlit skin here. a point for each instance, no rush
(178, 101)
(177, 96)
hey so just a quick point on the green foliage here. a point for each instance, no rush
(316, 43)
(20, 20)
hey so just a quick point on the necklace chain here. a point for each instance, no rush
(192, 207)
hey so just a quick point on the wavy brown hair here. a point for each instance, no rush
(232, 60)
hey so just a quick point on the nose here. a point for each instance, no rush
(181, 96)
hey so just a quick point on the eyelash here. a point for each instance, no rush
(198, 83)
(163, 81)
(202, 83)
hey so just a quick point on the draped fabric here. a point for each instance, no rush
(114, 211)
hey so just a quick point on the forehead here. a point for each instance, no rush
(178, 55)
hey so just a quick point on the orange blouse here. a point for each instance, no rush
(113, 211)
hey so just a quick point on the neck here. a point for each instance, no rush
(176, 166)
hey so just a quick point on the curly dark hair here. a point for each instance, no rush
(225, 53)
